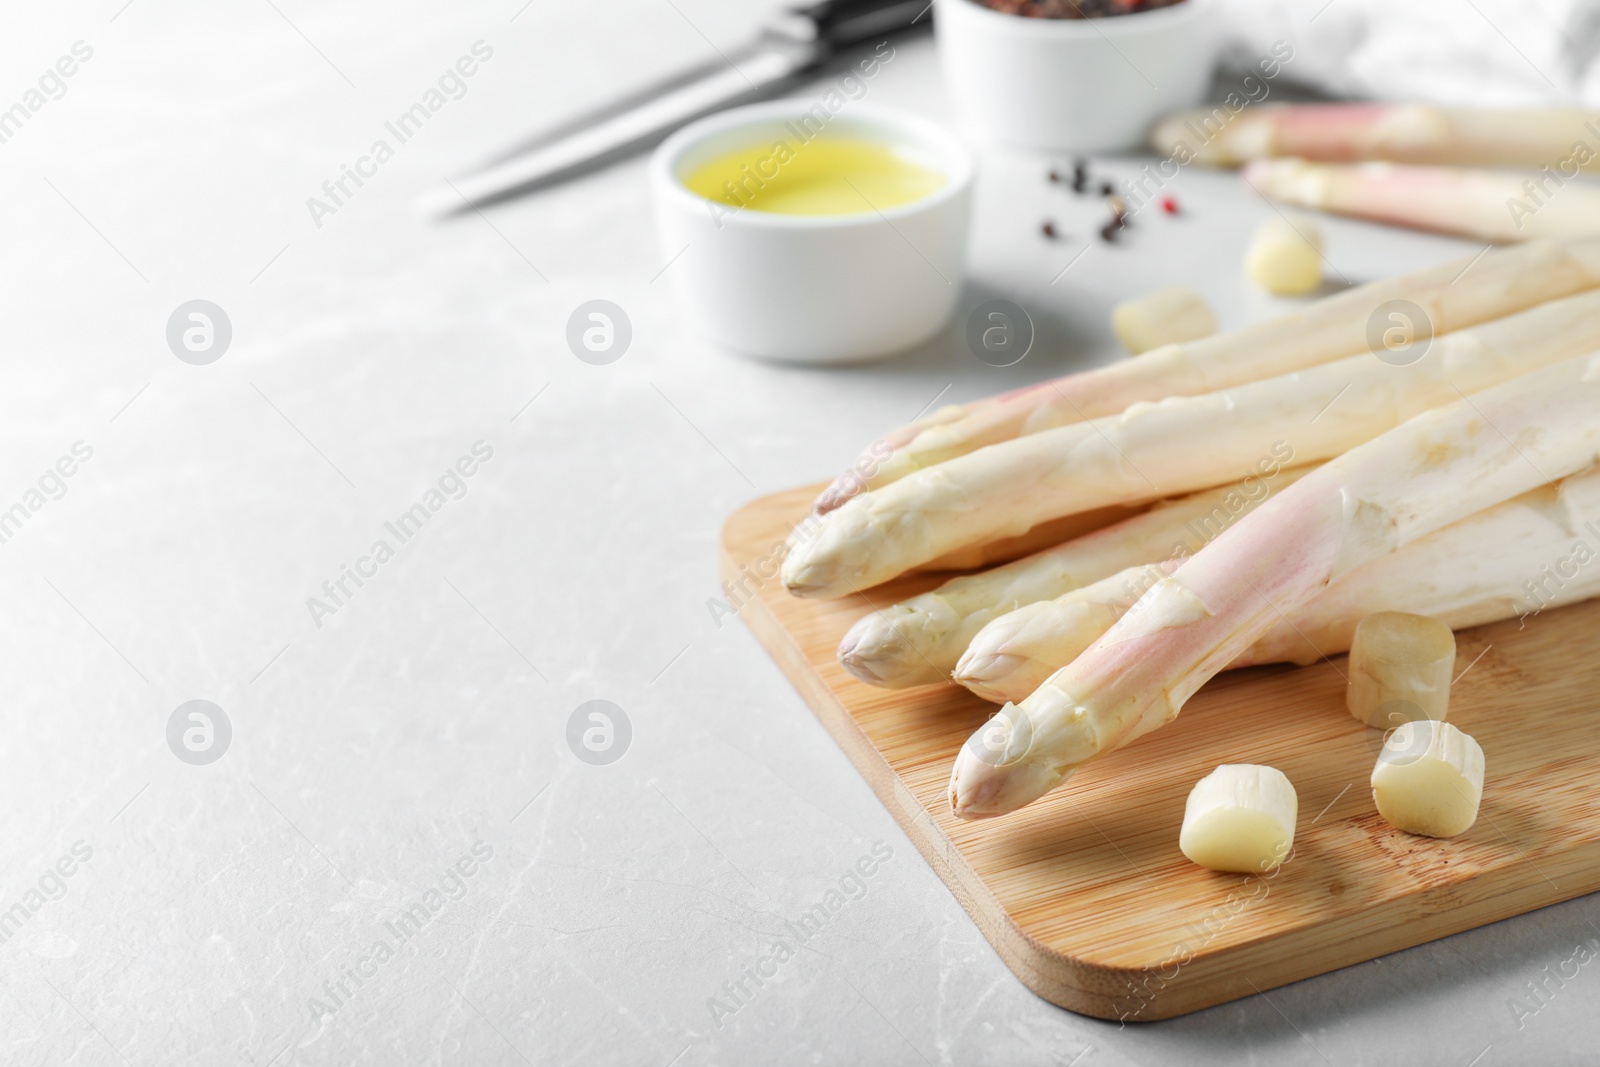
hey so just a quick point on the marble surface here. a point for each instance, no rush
(404, 751)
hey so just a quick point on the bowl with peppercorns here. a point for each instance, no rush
(1073, 75)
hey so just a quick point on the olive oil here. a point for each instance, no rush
(822, 176)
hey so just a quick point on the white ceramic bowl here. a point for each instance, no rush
(814, 289)
(1073, 85)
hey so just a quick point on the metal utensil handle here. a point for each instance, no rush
(841, 23)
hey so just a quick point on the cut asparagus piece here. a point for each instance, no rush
(918, 641)
(1400, 668)
(1514, 559)
(1166, 449)
(1454, 295)
(1165, 317)
(1240, 818)
(1435, 469)
(1404, 133)
(1285, 258)
(1486, 205)
(1429, 779)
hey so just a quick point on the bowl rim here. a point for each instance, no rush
(1161, 18)
(956, 161)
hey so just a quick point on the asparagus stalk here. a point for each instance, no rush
(918, 641)
(1436, 469)
(1506, 562)
(1404, 133)
(1045, 535)
(1017, 652)
(1494, 565)
(1486, 205)
(1453, 296)
(1176, 446)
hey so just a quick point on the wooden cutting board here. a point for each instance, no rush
(1085, 895)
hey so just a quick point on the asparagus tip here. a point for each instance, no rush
(855, 652)
(803, 589)
(839, 490)
(980, 789)
(977, 672)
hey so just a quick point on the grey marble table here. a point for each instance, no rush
(396, 855)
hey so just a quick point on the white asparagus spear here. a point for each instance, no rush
(917, 641)
(1483, 204)
(1510, 560)
(1045, 535)
(1172, 447)
(1435, 469)
(1454, 295)
(1514, 560)
(1017, 652)
(1404, 133)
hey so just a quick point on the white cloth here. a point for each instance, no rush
(1481, 52)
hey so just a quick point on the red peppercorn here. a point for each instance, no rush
(1048, 229)
(1169, 204)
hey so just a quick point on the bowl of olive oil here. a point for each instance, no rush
(802, 234)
